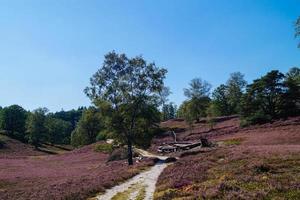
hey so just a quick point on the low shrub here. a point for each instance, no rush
(257, 118)
(120, 153)
(167, 194)
(263, 168)
(170, 159)
(233, 141)
(2, 143)
(104, 148)
(103, 135)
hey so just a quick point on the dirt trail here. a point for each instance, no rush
(140, 186)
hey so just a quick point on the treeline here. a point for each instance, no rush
(40, 125)
(272, 96)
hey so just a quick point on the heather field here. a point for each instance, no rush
(79, 174)
(258, 162)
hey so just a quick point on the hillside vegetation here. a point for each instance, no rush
(258, 162)
(26, 173)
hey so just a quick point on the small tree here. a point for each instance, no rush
(36, 129)
(221, 100)
(88, 127)
(198, 88)
(58, 130)
(211, 113)
(168, 111)
(198, 98)
(127, 85)
(264, 100)
(235, 86)
(292, 93)
(164, 94)
(13, 120)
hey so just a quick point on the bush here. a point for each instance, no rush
(2, 143)
(256, 118)
(104, 148)
(120, 153)
(103, 135)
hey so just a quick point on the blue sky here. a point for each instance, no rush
(50, 48)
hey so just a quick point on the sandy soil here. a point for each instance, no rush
(146, 180)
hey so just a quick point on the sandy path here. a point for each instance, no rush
(145, 179)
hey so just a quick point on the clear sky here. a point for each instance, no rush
(50, 48)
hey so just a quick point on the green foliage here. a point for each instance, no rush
(87, 128)
(292, 95)
(221, 101)
(236, 85)
(103, 135)
(271, 97)
(104, 148)
(131, 91)
(211, 114)
(71, 116)
(185, 112)
(13, 120)
(297, 29)
(58, 130)
(194, 109)
(264, 98)
(198, 100)
(227, 98)
(118, 154)
(2, 143)
(169, 111)
(35, 127)
(198, 88)
(233, 141)
(164, 94)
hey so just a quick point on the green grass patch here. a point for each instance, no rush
(122, 195)
(233, 141)
(169, 194)
(142, 193)
(103, 148)
(133, 188)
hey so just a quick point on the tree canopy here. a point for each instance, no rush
(129, 86)
(297, 29)
(272, 96)
(35, 127)
(88, 127)
(198, 99)
(227, 98)
(13, 120)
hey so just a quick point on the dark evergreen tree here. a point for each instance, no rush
(13, 120)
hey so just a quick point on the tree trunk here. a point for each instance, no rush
(129, 146)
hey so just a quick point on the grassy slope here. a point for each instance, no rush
(78, 174)
(261, 162)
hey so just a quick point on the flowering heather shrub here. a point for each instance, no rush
(264, 164)
(220, 176)
(78, 174)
